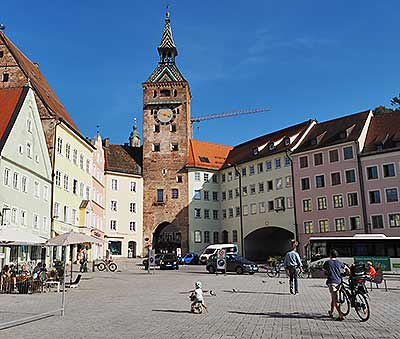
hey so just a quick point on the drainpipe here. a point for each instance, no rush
(362, 192)
(296, 229)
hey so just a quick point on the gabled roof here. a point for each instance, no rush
(166, 73)
(10, 103)
(207, 155)
(383, 133)
(39, 83)
(268, 144)
(123, 159)
(333, 132)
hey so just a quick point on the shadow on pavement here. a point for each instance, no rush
(172, 311)
(294, 315)
(256, 292)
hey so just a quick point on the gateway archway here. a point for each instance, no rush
(267, 241)
(167, 238)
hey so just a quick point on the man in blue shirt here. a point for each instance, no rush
(333, 268)
(292, 264)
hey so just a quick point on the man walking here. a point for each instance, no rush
(292, 264)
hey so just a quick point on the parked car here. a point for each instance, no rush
(189, 258)
(157, 258)
(169, 261)
(234, 263)
(212, 249)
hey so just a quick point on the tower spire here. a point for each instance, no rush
(134, 137)
(167, 49)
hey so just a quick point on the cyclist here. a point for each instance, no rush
(332, 268)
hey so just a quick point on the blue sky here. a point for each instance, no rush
(303, 59)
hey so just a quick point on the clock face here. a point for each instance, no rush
(165, 115)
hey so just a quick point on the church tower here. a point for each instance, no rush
(166, 135)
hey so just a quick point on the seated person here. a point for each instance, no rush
(371, 270)
(24, 270)
(37, 270)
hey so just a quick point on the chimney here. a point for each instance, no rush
(36, 64)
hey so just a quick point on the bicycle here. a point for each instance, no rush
(107, 265)
(354, 295)
(275, 270)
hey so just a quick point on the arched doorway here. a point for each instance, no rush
(224, 237)
(167, 238)
(267, 241)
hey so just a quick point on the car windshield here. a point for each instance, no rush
(209, 251)
(230, 249)
(168, 256)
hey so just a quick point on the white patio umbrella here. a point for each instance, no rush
(66, 239)
(15, 236)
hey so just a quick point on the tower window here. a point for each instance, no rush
(156, 147)
(6, 77)
(172, 128)
(175, 92)
(1, 54)
(174, 147)
(165, 93)
(154, 94)
(160, 195)
(157, 128)
(179, 178)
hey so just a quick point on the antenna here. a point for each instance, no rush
(98, 129)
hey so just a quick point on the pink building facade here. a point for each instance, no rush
(326, 167)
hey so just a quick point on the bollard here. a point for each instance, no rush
(93, 265)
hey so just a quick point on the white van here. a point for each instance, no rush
(212, 249)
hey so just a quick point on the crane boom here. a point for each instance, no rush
(228, 114)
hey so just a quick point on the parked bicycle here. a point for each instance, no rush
(275, 270)
(354, 294)
(106, 265)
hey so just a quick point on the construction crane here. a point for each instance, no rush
(228, 114)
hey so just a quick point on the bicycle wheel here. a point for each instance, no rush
(112, 267)
(362, 306)
(271, 272)
(344, 302)
(101, 266)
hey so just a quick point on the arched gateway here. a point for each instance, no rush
(167, 238)
(267, 241)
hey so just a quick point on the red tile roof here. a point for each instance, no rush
(383, 133)
(39, 83)
(207, 155)
(9, 98)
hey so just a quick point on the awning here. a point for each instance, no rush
(15, 236)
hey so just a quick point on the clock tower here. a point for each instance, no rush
(166, 135)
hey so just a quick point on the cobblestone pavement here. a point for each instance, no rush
(133, 304)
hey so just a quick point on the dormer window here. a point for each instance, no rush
(204, 159)
(255, 151)
(271, 146)
(313, 141)
(287, 141)
(165, 93)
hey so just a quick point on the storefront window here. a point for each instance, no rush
(115, 247)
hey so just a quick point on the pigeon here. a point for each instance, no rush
(213, 293)
(234, 290)
(263, 281)
(281, 282)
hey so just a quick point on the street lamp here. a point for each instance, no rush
(240, 206)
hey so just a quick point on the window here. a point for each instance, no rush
(75, 186)
(175, 193)
(66, 182)
(339, 224)
(372, 172)
(36, 189)
(132, 207)
(6, 77)
(318, 159)
(21, 149)
(165, 93)
(16, 180)
(230, 194)
(223, 178)
(215, 214)
(308, 227)
(278, 183)
(320, 181)
(114, 184)
(81, 189)
(56, 210)
(289, 202)
(350, 176)
(132, 226)
(216, 237)
(305, 184)
(252, 189)
(253, 208)
(206, 214)
(66, 214)
(388, 170)
(260, 187)
(28, 150)
(172, 128)
(160, 195)
(270, 185)
(68, 151)
(81, 161)
(268, 165)
(307, 206)
(197, 176)
(24, 187)
(59, 145)
(45, 225)
(288, 181)
(348, 153)
(335, 179)
(215, 178)
(229, 176)
(75, 157)
(179, 179)
(391, 195)
(197, 195)
(270, 205)
(260, 167)
(287, 161)
(261, 207)
(303, 162)
(230, 212)
(35, 221)
(352, 199)
(224, 214)
(29, 125)
(374, 197)
(197, 212)
(87, 166)
(156, 147)
(322, 203)
(278, 163)
(377, 221)
(237, 192)
(234, 236)
(156, 128)
(74, 219)
(251, 170)
(6, 178)
(174, 147)
(14, 216)
(206, 177)
(334, 155)
(279, 204)
(215, 196)
(324, 226)
(355, 223)
(132, 186)
(337, 201)
(394, 220)
(113, 205)
(245, 209)
(244, 190)
(1, 54)
(113, 225)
